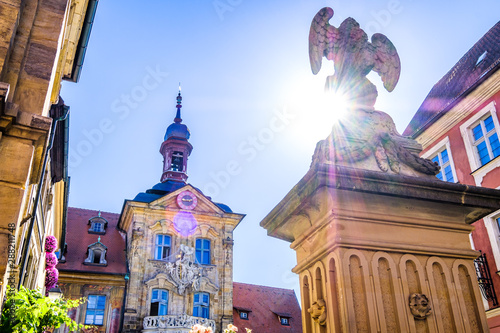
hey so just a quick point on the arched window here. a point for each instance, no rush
(96, 254)
(177, 161)
(203, 251)
(201, 305)
(162, 247)
(159, 302)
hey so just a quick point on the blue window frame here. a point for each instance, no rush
(159, 302)
(486, 140)
(285, 321)
(201, 305)
(203, 251)
(443, 159)
(162, 247)
(95, 310)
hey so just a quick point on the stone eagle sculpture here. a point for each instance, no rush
(353, 57)
(368, 135)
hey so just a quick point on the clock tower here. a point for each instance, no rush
(176, 149)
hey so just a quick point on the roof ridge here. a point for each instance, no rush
(93, 210)
(262, 286)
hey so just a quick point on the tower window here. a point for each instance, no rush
(159, 302)
(162, 247)
(177, 161)
(203, 251)
(201, 305)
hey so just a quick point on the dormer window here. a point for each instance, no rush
(177, 161)
(284, 318)
(98, 225)
(244, 313)
(481, 58)
(96, 254)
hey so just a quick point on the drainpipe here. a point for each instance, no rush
(83, 42)
(67, 180)
(50, 140)
(127, 277)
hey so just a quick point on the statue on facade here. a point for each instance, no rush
(368, 134)
(184, 273)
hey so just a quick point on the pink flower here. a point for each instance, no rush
(50, 260)
(50, 244)
(51, 277)
(200, 329)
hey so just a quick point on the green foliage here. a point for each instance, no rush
(29, 311)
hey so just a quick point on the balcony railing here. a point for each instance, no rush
(484, 279)
(174, 323)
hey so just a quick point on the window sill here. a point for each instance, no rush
(483, 170)
(97, 232)
(93, 264)
(160, 260)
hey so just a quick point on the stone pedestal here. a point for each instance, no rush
(381, 252)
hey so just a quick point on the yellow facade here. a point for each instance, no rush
(180, 274)
(37, 50)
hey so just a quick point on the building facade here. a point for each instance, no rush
(41, 44)
(93, 266)
(458, 127)
(179, 249)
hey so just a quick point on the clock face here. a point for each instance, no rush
(187, 200)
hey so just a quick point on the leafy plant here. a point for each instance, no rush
(29, 311)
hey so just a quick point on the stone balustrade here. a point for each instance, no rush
(172, 323)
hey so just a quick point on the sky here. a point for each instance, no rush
(250, 99)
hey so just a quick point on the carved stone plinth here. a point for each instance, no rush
(367, 241)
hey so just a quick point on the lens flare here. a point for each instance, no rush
(185, 223)
(335, 104)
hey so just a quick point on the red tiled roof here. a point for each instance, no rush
(78, 239)
(462, 78)
(265, 305)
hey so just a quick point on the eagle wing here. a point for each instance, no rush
(387, 63)
(322, 38)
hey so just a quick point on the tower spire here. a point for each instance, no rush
(176, 148)
(178, 118)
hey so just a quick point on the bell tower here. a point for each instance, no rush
(176, 148)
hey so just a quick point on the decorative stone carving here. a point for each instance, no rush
(353, 56)
(184, 273)
(172, 322)
(318, 312)
(419, 306)
(372, 136)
